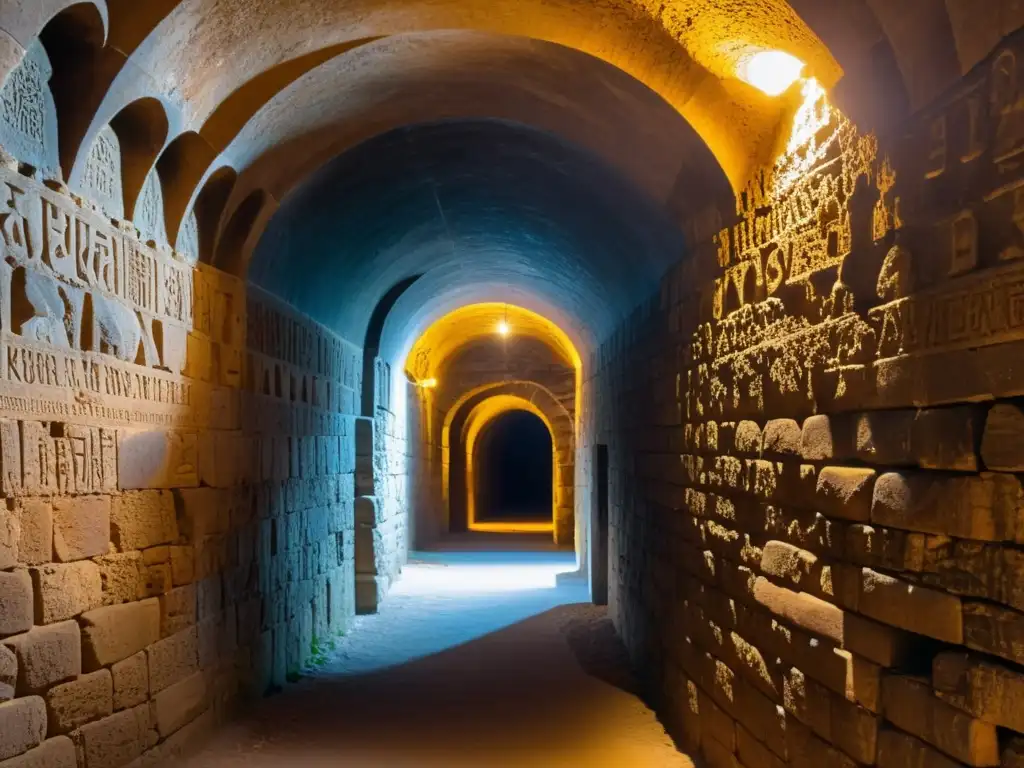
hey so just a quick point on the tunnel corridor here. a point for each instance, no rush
(512, 382)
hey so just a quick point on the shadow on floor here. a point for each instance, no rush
(547, 692)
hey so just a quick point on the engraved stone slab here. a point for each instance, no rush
(28, 116)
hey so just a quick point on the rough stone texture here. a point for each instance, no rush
(140, 519)
(87, 698)
(8, 673)
(173, 659)
(1002, 447)
(116, 740)
(179, 704)
(47, 655)
(57, 752)
(925, 611)
(64, 591)
(16, 602)
(845, 492)
(123, 577)
(35, 546)
(131, 681)
(22, 725)
(81, 527)
(118, 631)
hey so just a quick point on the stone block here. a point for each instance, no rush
(182, 565)
(845, 492)
(947, 438)
(173, 659)
(10, 536)
(816, 439)
(35, 546)
(16, 604)
(885, 548)
(22, 726)
(911, 607)
(80, 701)
(1002, 445)
(118, 631)
(883, 437)
(131, 681)
(81, 527)
(122, 577)
(47, 655)
(909, 704)
(854, 730)
(58, 752)
(982, 507)
(159, 459)
(748, 438)
(988, 691)
(781, 437)
(900, 750)
(64, 591)
(993, 629)
(805, 750)
(178, 610)
(142, 519)
(205, 512)
(804, 610)
(179, 704)
(8, 673)
(116, 740)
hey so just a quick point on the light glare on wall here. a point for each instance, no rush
(427, 383)
(770, 71)
(504, 329)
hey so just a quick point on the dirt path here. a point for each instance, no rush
(474, 662)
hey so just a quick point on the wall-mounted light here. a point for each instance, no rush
(427, 383)
(771, 72)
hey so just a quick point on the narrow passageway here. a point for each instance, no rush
(476, 659)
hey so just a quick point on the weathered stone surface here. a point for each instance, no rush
(900, 750)
(58, 752)
(16, 605)
(116, 632)
(141, 519)
(116, 740)
(173, 659)
(64, 591)
(81, 527)
(8, 673)
(994, 630)
(985, 508)
(157, 459)
(80, 701)
(10, 537)
(179, 704)
(22, 725)
(35, 546)
(47, 655)
(910, 705)
(917, 609)
(131, 681)
(947, 438)
(883, 437)
(886, 548)
(804, 610)
(182, 565)
(178, 610)
(781, 437)
(845, 492)
(1002, 447)
(988, 691)
(748, 438)
(122, 576)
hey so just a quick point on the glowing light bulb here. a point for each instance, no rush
(770, 71)
(504, 329)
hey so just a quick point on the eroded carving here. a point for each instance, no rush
(101, 182)
(28, 118)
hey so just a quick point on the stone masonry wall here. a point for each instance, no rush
(816, 438)
(177, 458)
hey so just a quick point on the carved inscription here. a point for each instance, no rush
(22, 102)
(102, 181)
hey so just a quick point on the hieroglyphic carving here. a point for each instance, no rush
(149, 212)
(58, 458)
(795, 216)
(976, 310)
(28, 118)
(101, 182)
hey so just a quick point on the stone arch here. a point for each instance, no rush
(453, 481)
(208, 210)
(141, 129)
(234, 241)
(182, 167)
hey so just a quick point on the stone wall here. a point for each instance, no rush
(815, 438)
(177, 454)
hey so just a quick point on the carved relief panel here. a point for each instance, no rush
(28, 117)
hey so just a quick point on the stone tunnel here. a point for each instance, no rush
(277, 276)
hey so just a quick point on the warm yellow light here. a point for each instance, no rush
(427, 383)
(504, 329)
(770, 71)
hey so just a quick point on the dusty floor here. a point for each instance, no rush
(475, 661)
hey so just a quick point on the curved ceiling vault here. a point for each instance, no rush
(485, 211)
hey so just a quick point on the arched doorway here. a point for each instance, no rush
(512, 472)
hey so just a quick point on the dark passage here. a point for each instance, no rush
(514, 470)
